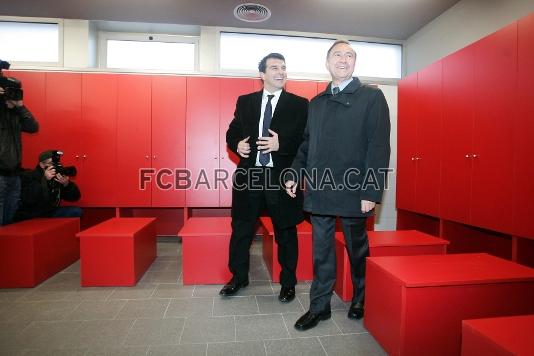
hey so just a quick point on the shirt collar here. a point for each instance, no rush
(343, 84)
(276, 94)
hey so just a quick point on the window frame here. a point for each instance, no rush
(308, 76)
(39, 20)
(104, 36)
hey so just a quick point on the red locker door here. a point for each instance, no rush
(495, 110)
(406, 144)
(99, 155)
(33, 84)
(524, 132)
(457, 133)
(133, 140)
(168, 138)
(428, 162)
(231, 89)
(306, 89)
(63, 127)
(202, 139)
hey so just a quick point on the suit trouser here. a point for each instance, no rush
(243, 232)
(324, 258)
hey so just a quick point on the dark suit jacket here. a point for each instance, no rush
(289, 122)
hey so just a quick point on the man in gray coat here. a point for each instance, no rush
(343, 159)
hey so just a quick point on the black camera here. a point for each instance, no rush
(12, 86)
(69, 171)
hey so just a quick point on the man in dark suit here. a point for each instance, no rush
(266, 132)
(346, 140)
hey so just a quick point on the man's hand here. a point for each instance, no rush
(2, 91)
(62, 179)
(50, 172)
(367, 206)
(12, 103)
(291, 188)
(268, 144)
(243, 148)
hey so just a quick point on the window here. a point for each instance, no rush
(306, 55)
(150, 52)
(31, 42)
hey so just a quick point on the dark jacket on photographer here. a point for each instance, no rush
(40, 197)
(12, 123)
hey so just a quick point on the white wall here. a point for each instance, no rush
(464, 23)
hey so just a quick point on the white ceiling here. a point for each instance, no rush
(392, 19)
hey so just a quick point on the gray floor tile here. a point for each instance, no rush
(12, 295)
(209, 290)
(53, 352)
(235, 306)
(100, 332)
(144, 309)
(38, 311)
(140, 291)
(155, 332)
(117, 351)
(190, 307)
(295, 347)
(9, 333)
(47, 334)
(95, 310)
(260, 327)
(351, 345)
(271, 305)
(325, 327)
(165, 266)
(208, 329)
(182, 350)
(240, 348)
(348, 326)
(73, 268)
(173, 290)
(38, 295)
(62, 279)
(91, 293)
(160, 277)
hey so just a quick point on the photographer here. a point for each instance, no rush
(14, 119)
(45, 187)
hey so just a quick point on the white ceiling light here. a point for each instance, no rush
(250, 12)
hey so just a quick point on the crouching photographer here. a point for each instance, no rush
(14, 119)
(44, 187)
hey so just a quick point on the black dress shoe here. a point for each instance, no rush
(286, 294)
(355, 311)
(310, 320)
(232, 287)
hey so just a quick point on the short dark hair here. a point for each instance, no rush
(262, 66)
(335, 44)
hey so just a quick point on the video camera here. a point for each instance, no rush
(69, 171)
(12, 86)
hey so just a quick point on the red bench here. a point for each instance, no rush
(32, 251)
(511, 335)
(384, 243)
(415, 304)
(117, 252)
(270, 250)
(205, 242)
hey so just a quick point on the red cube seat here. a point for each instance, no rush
(270, 250)
(504, 336)
(415, 305)
(117, 252)
(205, 242)
(32, 251)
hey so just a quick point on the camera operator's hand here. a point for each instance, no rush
(12, 103)
(50, 172)
(62, 179)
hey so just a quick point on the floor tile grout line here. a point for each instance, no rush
(320, 343)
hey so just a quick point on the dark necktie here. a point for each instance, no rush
(267, 117)
(335, 90)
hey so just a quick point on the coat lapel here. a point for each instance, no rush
(256, 108)
(280, 107)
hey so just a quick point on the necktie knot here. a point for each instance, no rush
(269, 97)
(335, 90)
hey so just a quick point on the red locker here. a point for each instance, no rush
(523, 203)
(306, 89)
(168, 138)
(133, 139)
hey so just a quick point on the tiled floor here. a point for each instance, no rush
(160, 316)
